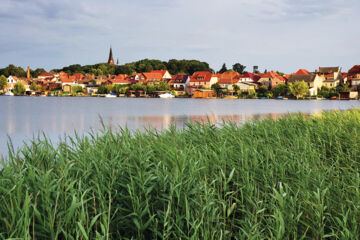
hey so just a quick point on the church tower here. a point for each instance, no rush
(28, 73)
(111, 59)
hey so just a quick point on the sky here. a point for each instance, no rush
(282, 35)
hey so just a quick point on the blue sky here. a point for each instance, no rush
(280, 35)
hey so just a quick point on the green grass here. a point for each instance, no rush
(293, 178)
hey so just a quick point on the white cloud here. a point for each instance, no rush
(279, 34)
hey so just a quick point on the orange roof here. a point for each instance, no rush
(270, 74)
(45, 74)
(153, 76)
(354, 70)
(229, 78)
(302, 72)
(121, 78)
(159, 71)
(201, 77)
(76, 76)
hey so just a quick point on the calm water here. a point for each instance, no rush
(21, 118)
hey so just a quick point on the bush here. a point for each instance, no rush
(19, 89)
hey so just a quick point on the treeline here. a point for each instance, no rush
(146, 65)
(13, 70)
(174, 66)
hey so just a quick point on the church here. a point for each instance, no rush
(111, 58)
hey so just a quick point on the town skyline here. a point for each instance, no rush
(273, 34)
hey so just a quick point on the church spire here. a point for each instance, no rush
(111, 59)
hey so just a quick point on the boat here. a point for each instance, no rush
(279, 97)
(9, 94)
(110, 95)
(166, 95)
(230, 97)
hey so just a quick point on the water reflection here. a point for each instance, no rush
(21, 117)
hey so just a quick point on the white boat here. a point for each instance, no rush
(110, 95)
(166, 95)
(9, 94)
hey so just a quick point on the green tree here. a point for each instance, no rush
(3, 82)
(299, 89)
(19, 89)
(262, 91)
(162, 86)
(344, 88)
(280, 89)
(217, 89)
(236, 88)
(237, 67)
(102, 89)
(34, 86)
(76, 89)
(223, 69)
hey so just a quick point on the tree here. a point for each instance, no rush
(223, 69)
(237, 67)
(262, 91)
(280, 89)
(344, 88)
(76, 89)
(162, 86)
(217, 89)
(299, 89)
(34, 86)
(102, 89)
(3, 82)
(236, 88)
(19, 89)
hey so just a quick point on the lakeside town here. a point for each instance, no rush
(322, 83)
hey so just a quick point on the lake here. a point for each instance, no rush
(21, 118)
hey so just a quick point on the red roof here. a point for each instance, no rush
(45, 74)
(302, 72)
(121, 78)
(252, 76)
(354, 70)
(179, 78)
(163, 72)
(201, 77)
(76, 76)
(229, 78)
(270, 74)
(152, 76)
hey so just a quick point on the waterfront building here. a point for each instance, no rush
(202, 79)
(180, 83)
(313, 80)
(330, 76)
(353, 77)
(270, 79)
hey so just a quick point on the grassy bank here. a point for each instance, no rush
(293, 178)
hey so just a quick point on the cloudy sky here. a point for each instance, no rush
(275, 34)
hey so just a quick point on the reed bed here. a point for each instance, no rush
(292, 178)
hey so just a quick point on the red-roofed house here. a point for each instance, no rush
(249, 77)
(120, 79)
(202, 79)
(302, 72)
(228, 79)
(151, 77)
(47, 77)
(166, 76)
(180, 82)
(271, 79)
(353, 76)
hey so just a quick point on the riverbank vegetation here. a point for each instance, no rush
(292, 178)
